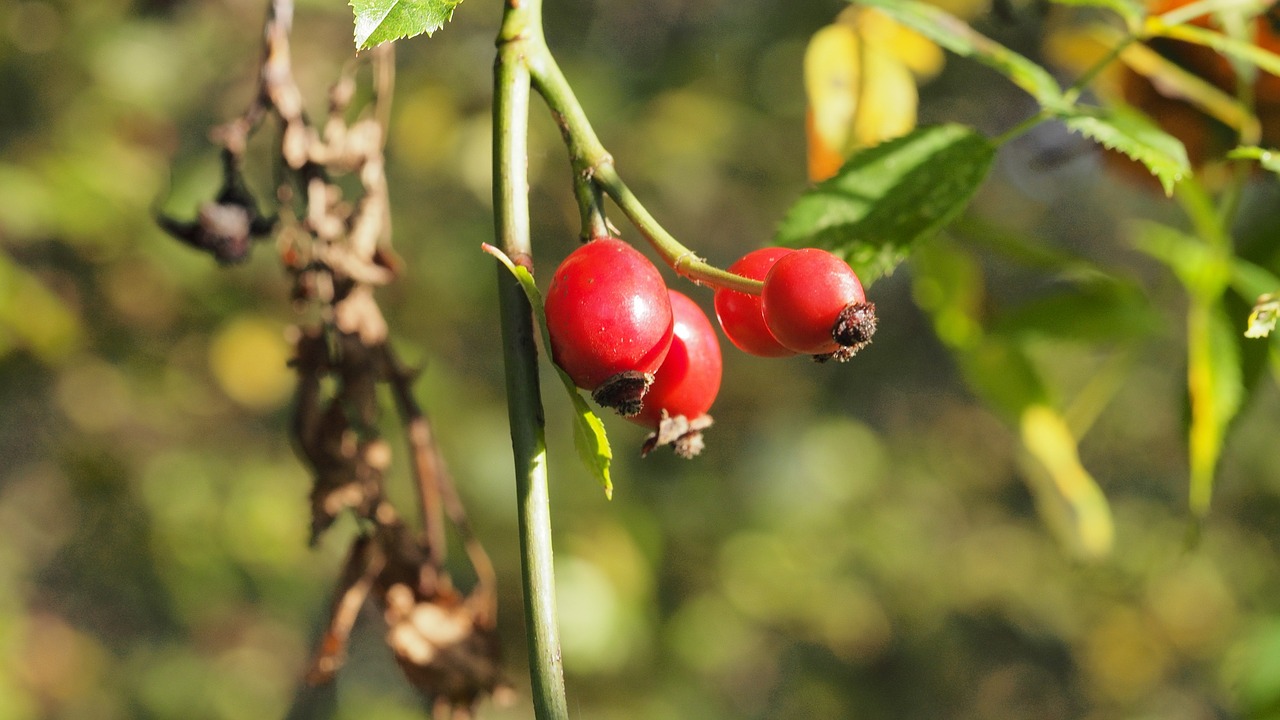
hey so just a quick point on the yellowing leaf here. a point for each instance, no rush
(1067, 494)
(920, 54)
(859, 96)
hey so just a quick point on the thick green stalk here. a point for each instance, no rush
(520, 355)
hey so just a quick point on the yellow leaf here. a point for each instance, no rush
(859, 95)
(1067, 494)
(921, 55)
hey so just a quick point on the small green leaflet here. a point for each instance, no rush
(588, 431)
(1268, 159)
(957, 36)
(887, 197)
(379, 21)
(1131, 133)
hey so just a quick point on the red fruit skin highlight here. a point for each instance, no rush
(689, 379)
(608, 312)
(741, 315)
(804, 294)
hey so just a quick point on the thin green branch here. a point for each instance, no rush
(593, 164)
(524, 401)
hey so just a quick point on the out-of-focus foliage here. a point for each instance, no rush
(856, 541)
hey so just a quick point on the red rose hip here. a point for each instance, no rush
(609, 318)
(813, 303)
(686, 384)
(741, 315)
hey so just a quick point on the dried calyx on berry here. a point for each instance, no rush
(685, 385)
(814, 303)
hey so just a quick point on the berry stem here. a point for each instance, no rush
(593, 166)
(521, 24)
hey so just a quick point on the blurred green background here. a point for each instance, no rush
(856, 542)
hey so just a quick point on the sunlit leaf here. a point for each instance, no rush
(1184, 11)
(1216, 391)
(886, 198)
(1202, 269)
(1239, 49)
(859, 95)
(379, 21)
(1134, 135)
(957, 36)
(589, 437)
(1067, 494)
(1268, 159)
(1176, 82)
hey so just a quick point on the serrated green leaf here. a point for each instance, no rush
(957, 36)
(1268, 159)
(887, 197)
(1129, 10)
(379, 21)
(1131, 133)
(1239, 49)
(589, 437)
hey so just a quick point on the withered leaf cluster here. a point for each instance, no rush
(337, 251)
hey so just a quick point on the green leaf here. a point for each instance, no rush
(957, 36)
(1202, 269)
(887, 197)
(1134, 135)
(1268, 159)
(379, 21)
(1130, 10)
(1239, 49)
(589, 437)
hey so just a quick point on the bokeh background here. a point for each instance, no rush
(856, 542)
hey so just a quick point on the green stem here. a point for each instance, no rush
(1020, 129)
(1072, 94)
(593, 164)
(520, 356)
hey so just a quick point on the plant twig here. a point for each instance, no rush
(521, 22)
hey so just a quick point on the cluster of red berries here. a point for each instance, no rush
(651, 353)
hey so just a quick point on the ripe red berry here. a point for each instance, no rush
(814, 303)
(609, 318)
(687, 382)
(741, 315)
(689, 378)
